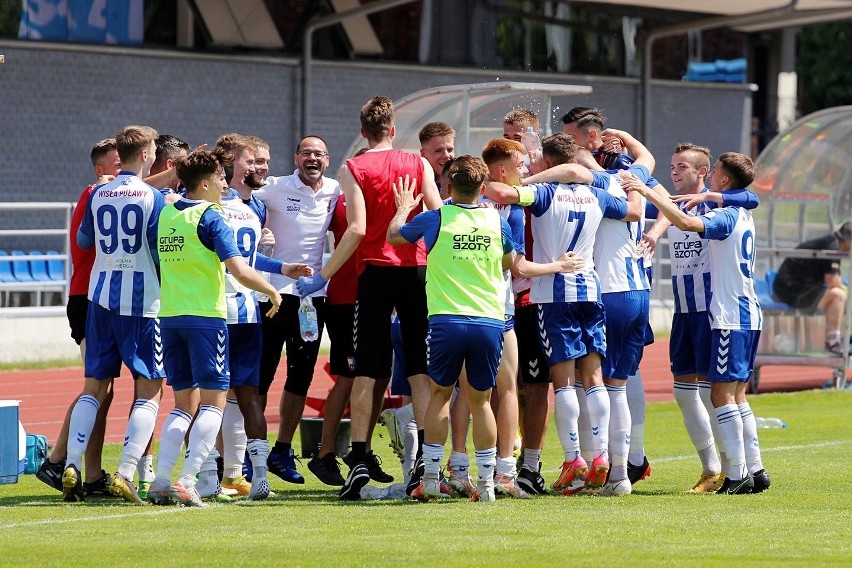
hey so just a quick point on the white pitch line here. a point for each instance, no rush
(763, 450)
(167, 511)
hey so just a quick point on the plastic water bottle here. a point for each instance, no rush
(769, 422)
(308, 320)
(532, 142)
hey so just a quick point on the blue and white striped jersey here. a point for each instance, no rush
(733, 302)
(565, 217)
(121, 222)
(690, 261)
(620, 267)
(514, 216)
(241, 301)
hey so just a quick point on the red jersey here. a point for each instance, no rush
(82, 259)
(375, 172)
(343, 287)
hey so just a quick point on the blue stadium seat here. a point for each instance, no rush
(6, 274)
(763, 287)
(38, 268)
(56, 267)
(21, 268)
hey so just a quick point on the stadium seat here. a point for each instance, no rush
(21, 268)
(763, 287)
(56, 267)
(6, 274)
(38, 267)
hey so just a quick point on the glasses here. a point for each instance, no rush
(309, 154)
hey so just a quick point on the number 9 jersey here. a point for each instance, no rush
(733, 300)
(121, 219)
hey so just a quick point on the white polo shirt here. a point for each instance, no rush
(299, 219)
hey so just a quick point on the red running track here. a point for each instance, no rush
(46, 394)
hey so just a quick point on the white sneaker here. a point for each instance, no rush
(484, 493)
(388, 419)
(208, 484)
(616, 488)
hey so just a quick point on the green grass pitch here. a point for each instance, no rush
(804, 518)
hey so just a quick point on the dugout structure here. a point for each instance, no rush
(474, 110)
(804, 180)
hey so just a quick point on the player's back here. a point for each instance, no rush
(241, 301)
(375, 171)
(620, 267)
(734, 303)
(565, 218)
(124, 213)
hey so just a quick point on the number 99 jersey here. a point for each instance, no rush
(731, 235)
(241, 301)
(122, 218)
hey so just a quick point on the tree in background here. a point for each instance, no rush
(824, 66)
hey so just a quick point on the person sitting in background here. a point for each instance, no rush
(811, 284)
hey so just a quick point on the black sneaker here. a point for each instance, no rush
(761, 481)
(416, 475)
(736, 486)
(327, 469)
(531, 481)
(99, 488)
(374, 466)
(50, 473)
(636, 473)
(358, 478)
(72, 486)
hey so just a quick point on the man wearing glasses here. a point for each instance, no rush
(299, 210)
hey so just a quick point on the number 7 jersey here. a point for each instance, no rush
(565, 218)
(121, 218)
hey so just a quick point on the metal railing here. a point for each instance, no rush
(37, 287)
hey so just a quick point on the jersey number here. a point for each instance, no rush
(580, 217)
(247, 243)
(123, 229)
(747, 250)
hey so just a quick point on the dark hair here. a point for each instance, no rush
(198, 165)
(467, 174)
(168, 148)
(739, 167)
(101, 149)
(377, 118)
(559, 149)
(522, 117)
(585, 117)
(320, 138)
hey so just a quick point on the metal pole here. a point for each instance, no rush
(307, 46)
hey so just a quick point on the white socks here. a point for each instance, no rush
(532, 458)
(731, 428)
(80, 429)
(704, 394)
(566, 413)
(506, 466)
(619, 431)
(202, 437)
(697, 424)
(597, 402)
(233, 439)
(258, 451)
(140, 427)
(485, 462)
(171, 441)
(750, 441)
(432, 456)
(636, 403)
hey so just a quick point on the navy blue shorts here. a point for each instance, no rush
(113, 339)
(197, 357)
(689, 346)
(399, 380)
(626, 323)
(245, 343)
(477, 346)
(732, 353)
(571, 330)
